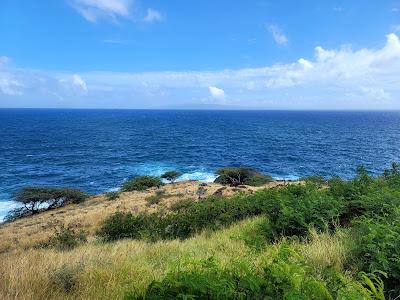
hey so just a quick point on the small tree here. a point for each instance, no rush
(235, 176)
(141, 183)
(171, 176)
(35, 199)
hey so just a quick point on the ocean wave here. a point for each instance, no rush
(159, 168)
(200, 176)
(5, 207)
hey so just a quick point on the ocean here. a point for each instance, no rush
(97, 150)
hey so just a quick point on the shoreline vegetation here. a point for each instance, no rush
(245, 236)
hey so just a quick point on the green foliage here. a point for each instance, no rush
(125, 225)
(235, 176)
(67, 237)
(152, 200)
(258, 180)
(111, 196)
(298, 208)
(378, 247)
(171, 175)
(181, 204)
(141, 183)
(283, 275)
(317, 180)
(64, 278)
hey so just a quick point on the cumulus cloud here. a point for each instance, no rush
(152, 16)
(331, 78)
(92, 10)
(278, 35)
(216, 93)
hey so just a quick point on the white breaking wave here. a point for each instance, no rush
(5, 207)
(158, 168)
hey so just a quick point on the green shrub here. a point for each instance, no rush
(318, 180)
(299, 208)
(152, 200)
(64, 278)
(111, 196)
(171, 175)
(181, 204)
(258, 180)
(67, 237)
(141, 183)
(235, 176)
(378, 247)
(126, 225)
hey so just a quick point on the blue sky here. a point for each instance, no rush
(161, 54)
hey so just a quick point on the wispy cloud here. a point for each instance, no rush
(338, 9)
(278, 35)
(152, 16)
(333, 78)
(93, 10)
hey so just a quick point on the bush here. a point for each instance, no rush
(141, 183)
(378, 247)
(235, 176)
(125, 225)
(64, 278)
(171, 175)
(67, 237)
(181, 204)
(152, 200)
(318, 180)
(111, 196)
(35, 199)
(298, 208)
(258, 180)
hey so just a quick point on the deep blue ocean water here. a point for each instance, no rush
(96, 150)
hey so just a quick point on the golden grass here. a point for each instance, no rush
(110, 270)
(323, 250)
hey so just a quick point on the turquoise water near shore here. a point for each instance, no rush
(97, 150)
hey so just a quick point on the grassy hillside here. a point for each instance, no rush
(320, 240)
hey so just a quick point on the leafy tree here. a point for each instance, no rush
(141, 183)
(235, 176)
(36, 199)
(171, 175)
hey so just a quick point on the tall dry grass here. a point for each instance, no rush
(99, 270)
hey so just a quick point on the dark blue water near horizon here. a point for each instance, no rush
(97, 150)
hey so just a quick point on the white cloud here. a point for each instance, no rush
(333, 78)
(278, 35)
(216, 93)
(92, 10)
(79, 82)
(374, 93)
(152, 16)
(9, 86)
